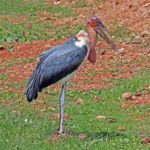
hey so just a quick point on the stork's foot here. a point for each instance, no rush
(61, 132)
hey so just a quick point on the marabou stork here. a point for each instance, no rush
(61, 63)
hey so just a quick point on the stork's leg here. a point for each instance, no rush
(62, 104)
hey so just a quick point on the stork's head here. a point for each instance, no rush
(95, 26)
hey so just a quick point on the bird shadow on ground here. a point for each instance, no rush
(106, 135)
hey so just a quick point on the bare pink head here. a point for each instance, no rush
(96, 27)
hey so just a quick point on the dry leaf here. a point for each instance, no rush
(79, 101)
(122, 128)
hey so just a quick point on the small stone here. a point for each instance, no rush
(127, 96)
(82, 136)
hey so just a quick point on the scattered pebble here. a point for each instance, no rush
(127, 96)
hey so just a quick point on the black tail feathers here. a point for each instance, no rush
(32, 90)
(31, 94)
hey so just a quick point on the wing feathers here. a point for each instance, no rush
(53, 67)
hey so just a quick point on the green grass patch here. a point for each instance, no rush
(31, 27)
(3, 77)
(62, 11)
(11, 33)
(122, 34)
(16, 61)
(27, 126)
(67, 31)
(24, 7)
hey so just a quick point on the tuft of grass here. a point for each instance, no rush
(3, 77)
(11, 33)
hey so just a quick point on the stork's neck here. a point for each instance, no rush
(93, 39)
(93, 36)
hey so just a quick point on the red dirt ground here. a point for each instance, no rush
(133, 14)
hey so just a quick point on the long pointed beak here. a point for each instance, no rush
(103, 32)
